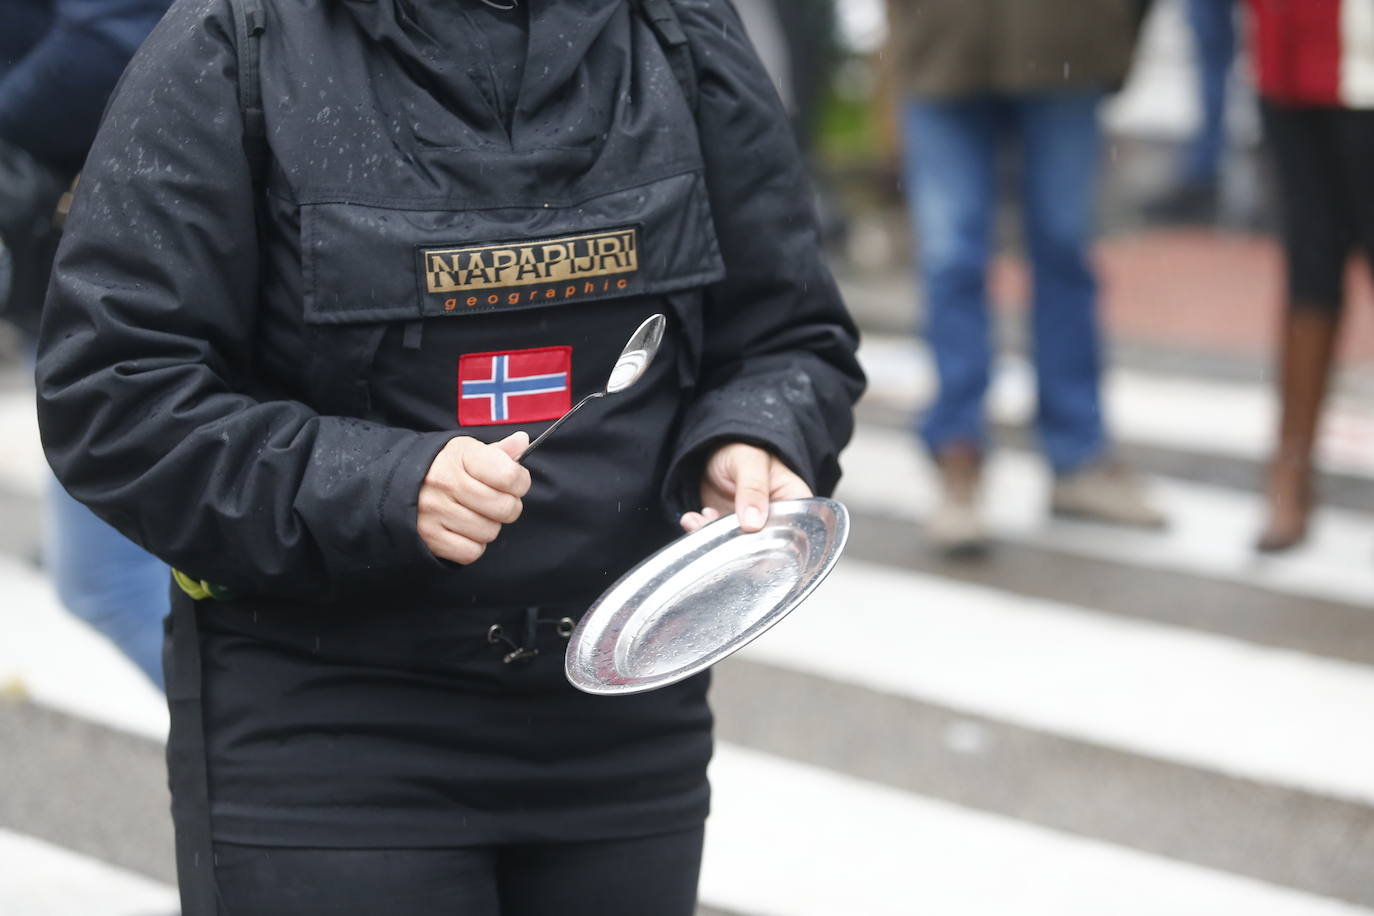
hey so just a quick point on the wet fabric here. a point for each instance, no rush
(504, 33)
(239, 439)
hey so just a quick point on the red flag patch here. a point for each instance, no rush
(515, 386)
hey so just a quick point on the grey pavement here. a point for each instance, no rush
(100, 792)
(95, 790)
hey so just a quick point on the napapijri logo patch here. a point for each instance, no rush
(514, 386)
(595, 265)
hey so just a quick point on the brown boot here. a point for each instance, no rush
(956, 527)
(1288, 498)
(1307, 349)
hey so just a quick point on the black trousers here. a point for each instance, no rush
(644, 876)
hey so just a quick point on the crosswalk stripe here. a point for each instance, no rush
(1212, 528)
(1201, 416)
(1194, 415)
(1204, 700)
(23, 469)
(790, 839)
(50, 656)
(1266, 714)
(47, 641)
(40, 879)
(1210, 533)
(786, 838)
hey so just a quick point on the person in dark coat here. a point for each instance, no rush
(307, 392)
(59, 60)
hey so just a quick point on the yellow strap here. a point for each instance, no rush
(197, 589)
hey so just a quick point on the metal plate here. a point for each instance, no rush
(703, 597)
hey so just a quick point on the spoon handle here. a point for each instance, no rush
(556, 423)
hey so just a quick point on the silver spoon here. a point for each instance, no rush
(634, 359)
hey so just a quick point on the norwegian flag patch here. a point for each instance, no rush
(516, 386)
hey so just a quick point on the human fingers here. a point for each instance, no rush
(691, 521)
(747, 468)
(715, 498)
(514, 444)
(456, 514)
(471, 493)
(437, 511)
(784, 483)
(495, 465)
(446, 545)
(450, 530)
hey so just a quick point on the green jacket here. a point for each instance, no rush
(946, 48)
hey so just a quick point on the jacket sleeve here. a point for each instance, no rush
(148, 407)
(778, 367)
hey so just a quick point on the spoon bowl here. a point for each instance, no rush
(638, 353)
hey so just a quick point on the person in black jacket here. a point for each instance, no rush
(307, 391)
(59, 60)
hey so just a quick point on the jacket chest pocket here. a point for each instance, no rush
(368, 263)
(368, 269)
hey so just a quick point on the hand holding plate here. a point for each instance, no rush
(743, 479)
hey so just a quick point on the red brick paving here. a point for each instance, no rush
(1200, 291)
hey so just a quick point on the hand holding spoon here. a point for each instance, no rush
(629, 368)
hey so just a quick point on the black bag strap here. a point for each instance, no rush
(249, 22)
(187, 766)
(662, 18)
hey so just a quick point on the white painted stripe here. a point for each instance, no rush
(39, 879)
(789, 840)
(1211, 529)
(1268, 714)
(1275, 716)
(1357, 53)
(1195, 415)
(50, 656)
(23, 469)
(786, 839)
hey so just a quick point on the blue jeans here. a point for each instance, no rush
(107, 580)
(952, 151)
(1213, 25)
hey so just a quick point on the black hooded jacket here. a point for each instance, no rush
(252, 383)
(254, 388)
